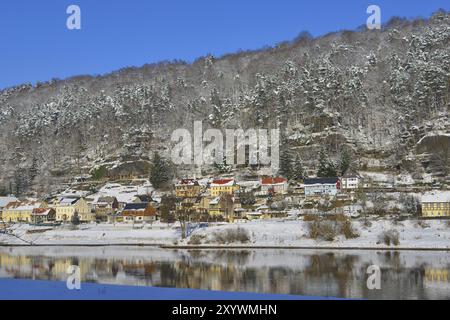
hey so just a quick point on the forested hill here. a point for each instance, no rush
(381, 95)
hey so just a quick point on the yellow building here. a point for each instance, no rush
(436, 205)
(66, 207)
(187, 188)
(223, 186)
(21, 211)
(222, 206)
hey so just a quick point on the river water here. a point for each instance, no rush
(330, 273)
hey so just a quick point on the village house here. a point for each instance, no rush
(139, 213)
(43, 215)
(436, 205)
(187, 188)
(105, 206)
(318, 187)
(21, 211)
(222, 206)
(201, 204)
(4, 201)
(67, 207)
(351, 181)
(274, 186)
(223, 186)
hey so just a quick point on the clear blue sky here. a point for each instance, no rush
(35, 44)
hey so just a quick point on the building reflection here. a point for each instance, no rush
(318, 274)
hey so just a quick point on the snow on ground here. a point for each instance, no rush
(93, 234)
(271, 233)
(434, 234)
(123, 193)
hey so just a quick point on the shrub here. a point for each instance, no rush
(423, 224)
(310, 217)
(390, 237)
(231, 236)
(322, 229)
(338, 218)
(196, 239)
(348, 230)
(99, 172)
(331, 227)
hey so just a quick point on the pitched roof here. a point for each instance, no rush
(139, 209)
(436, 197)
(23, 205)
(144, 198)
(135, 206)
(5, 200)
(106, 199)
(187, 182)
(41, 211)
(315, 181)
(68, 201)
(271, 181)
(222, 183)
(351, 174)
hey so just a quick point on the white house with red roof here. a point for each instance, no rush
(274, 185)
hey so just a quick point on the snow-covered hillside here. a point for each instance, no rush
(384, 96)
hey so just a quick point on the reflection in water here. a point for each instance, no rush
(405, 275)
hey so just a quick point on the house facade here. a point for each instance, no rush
(139, 213)
(351, 181)
(322, 186)
(222, 206)
(21, 211)
(223, 186)
(4, 201)
(274, 186)
(436, 205)
(187, 188)
(105, 206)
(66, 208)
(43, 215)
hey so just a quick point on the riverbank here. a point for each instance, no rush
(288, 234)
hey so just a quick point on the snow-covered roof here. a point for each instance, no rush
(215, 200)
(123, 193)
(249, 184)
(187, 182)
(67, 201)
(23, 206)
(5, 200)
(436, 196)
(41, 211)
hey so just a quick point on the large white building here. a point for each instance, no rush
(322, 186)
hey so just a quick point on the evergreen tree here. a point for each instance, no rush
(299, 172)
(286, 169)
(75, 219)
(159, 173)
(326, 166)
(344, 162)
(33, 171)
(223, 167)
(323, 164)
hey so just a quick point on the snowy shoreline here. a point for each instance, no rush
(269, 234)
